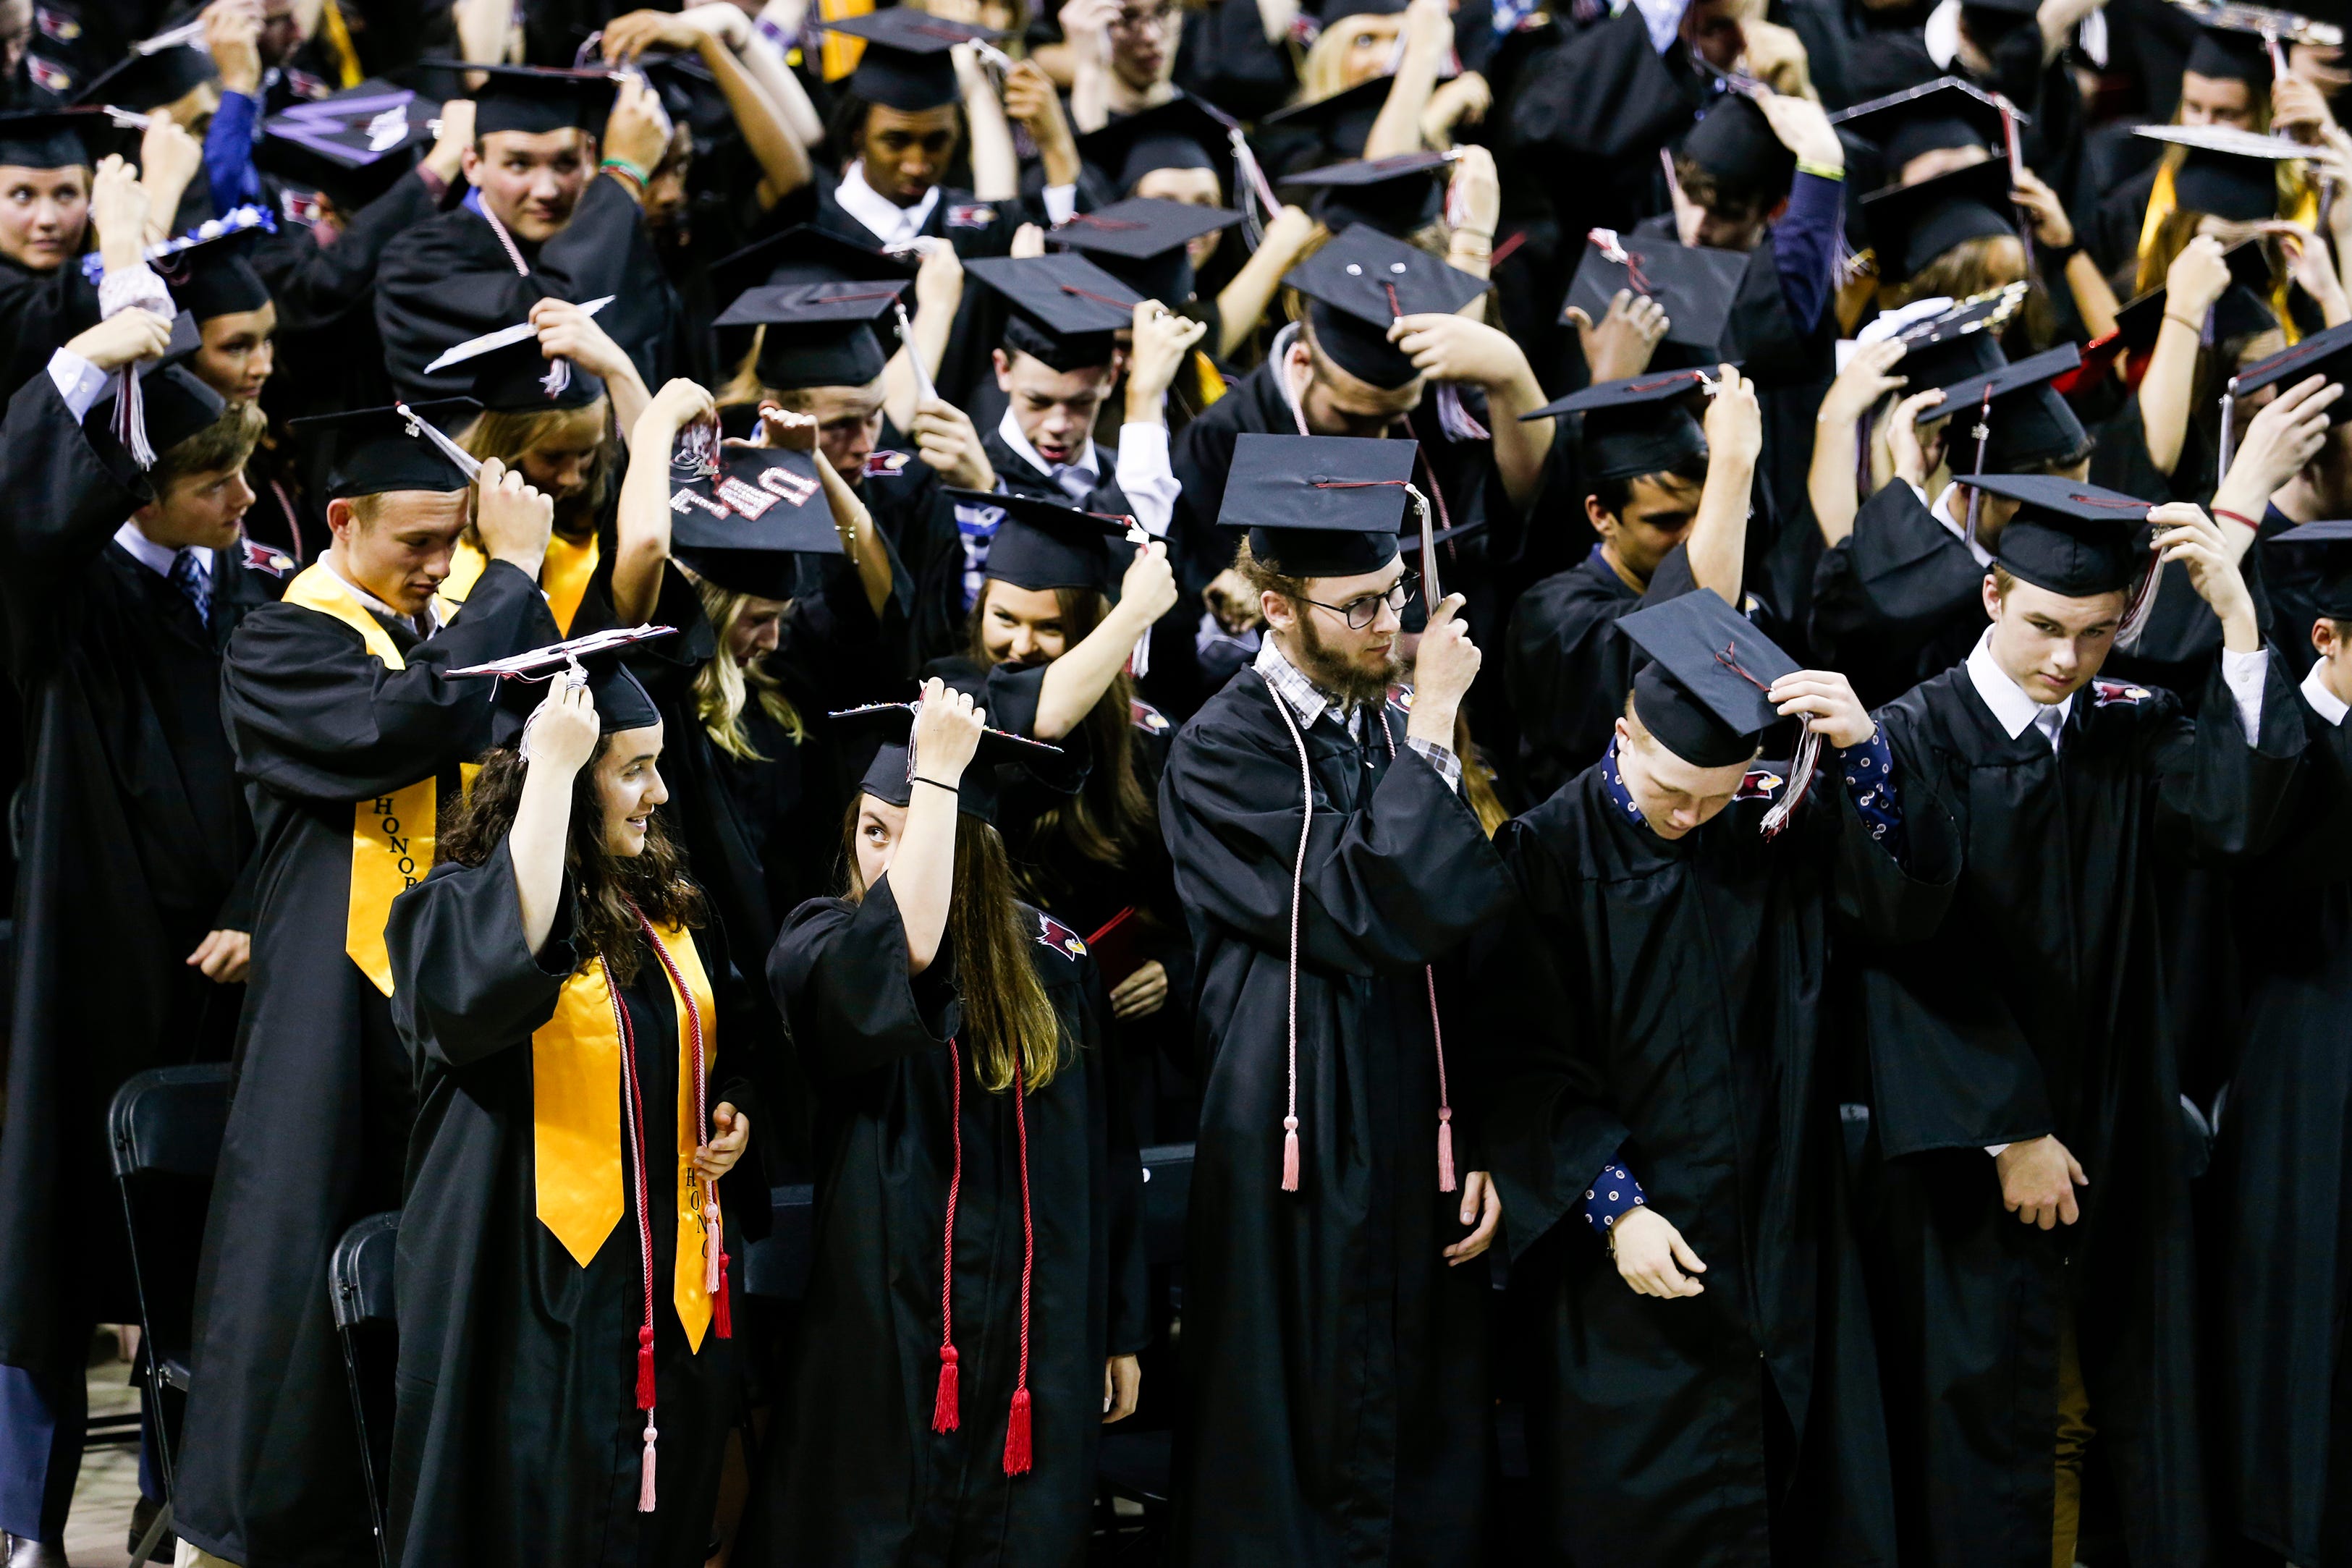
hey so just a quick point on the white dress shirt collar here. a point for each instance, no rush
(1009, 429)
(890, 222)
(2324, 702)
(156, 557)
(1943, 510)
(2013, 708)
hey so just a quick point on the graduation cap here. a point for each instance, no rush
(1702, 693)
(745, 525)
(807, 254)
(1318, 506)
(535, 100)
(1696, 286)
(1738, 146)
(1358, 284)
(172, 403)
(906, 64)
(2227, 172)
(889, 728)
(1632, 427)
(150, 81)
(1395, 195)
(1945, 113)
(2324, 555)
(354, 145)
(2224, 54)
(215, 278)
(818, 334)
(58, 139)
(2243, 311)
(2019, 417)
(2071, 538)
(1043, 544)
(1911, 225)
(597, 662)
(1182, 133)
(1343, 120)
(512, 375)
(1065, 307)
(1330, 12)
(380, 451)
(1145, 242)
(2326, 353)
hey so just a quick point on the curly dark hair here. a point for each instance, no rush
(604, 885)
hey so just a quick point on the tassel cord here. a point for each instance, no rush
(636, 1127)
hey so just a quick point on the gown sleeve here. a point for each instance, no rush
(1892, 578)
(465, 987)
(70, 491)
(1895, 897)
(2225, 798)
(839, 974)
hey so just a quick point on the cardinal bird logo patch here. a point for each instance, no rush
(1759, 784)
(1052, 933)
(1401, 698)
(973, 216)
(884, 464)
(47, 77)
(2106, 694)
(261, 558)
(1146, 717)
(55, 25)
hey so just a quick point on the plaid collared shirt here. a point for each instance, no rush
(1311, 702)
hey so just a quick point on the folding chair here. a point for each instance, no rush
(165, 1127)
(1135, 1461)
(359, 1280)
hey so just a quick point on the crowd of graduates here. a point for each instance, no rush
(892, 604)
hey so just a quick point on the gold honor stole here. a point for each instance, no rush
(562, 577)
(576, 1097)
(391, 835)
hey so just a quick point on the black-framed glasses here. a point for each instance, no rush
(1361, 612)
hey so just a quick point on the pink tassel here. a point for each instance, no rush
(645, 1470)
(1016, 1435)
(713, 1238)
(722, 1321)
(1444, 1148)
(1290, 1153)
(645, 1370)
(944, 1412)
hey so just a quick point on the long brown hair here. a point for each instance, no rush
(603, 885)
(1110, 814)
(991, 930)
(508, 435)
(723, 686)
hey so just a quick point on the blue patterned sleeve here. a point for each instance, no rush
(1613, 1194)
(1868, 770)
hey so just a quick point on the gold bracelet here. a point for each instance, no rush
(2196, 327)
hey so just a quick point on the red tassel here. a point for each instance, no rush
(1016, 1435)
(944, 1405)
(646, 1369)
(1444, 1149)
(645, 1469)
(1290, 1153)
(722, 1321)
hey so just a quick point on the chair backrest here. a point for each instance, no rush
(359, 1273)
(1167, 1194)
(169, 1121)
(777, 1265)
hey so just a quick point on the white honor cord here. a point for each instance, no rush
(1139, 662)
(924, 390)
(1428, 547)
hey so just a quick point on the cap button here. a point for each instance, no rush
(1354, 270)
(1396, 266)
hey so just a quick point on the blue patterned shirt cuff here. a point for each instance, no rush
(1868, 770)
(1613, 1194)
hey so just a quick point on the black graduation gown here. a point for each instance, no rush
(1691, 978)
(1222, 57)
(448, 280)
(856, 1474)
(1337, 1398)
(318, 1122)
(2035, 1007)
(1567, 669)
(134, 836)
(518, 1437)
(2286, 1272)
(39, 313)
(1899, 600)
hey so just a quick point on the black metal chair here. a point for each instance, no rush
(1134, 1462)
(359, 1284)
(165, 1128)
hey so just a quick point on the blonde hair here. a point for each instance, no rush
(723, 686)
(506, 436)
(1320, 75)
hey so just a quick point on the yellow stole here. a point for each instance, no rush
(562, 577)
(577, 1137)
(2161, 199)
(391, 835)
(840, 52)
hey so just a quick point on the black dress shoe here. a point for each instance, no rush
(143, 1515)
(28, 1554)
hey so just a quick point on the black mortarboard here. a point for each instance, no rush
(215, 278)
(374, 453)
(818, 334)
(1065, 307)
(1911, 225)
(512, 376)
(1318, 506)
(1736, 144)
(890, 775)
(1332, 12)
(1142, 243)
(1695, 285)
(1702, 694)
(905, 64)
(144, 82)
(1395, 195)
(2323, 566)
(2030, 422)
(807, 254)
(2068, 537)
(1182, 133)
(354, 145)
(535, 100)
(1359, 284)
(1961, 340)
(1043, 544)
(745, 526)
(2243, 311)
(1632, 427)
(56, 138)
(524, 680)
(2224, 54)
(174, 405)
(2326, 353)
(2228, 173)
(1945, 113)
(1343, 120)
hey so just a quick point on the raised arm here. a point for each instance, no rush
(1830, 483)
(2197, 277)
(1456, 348)
(1428, 41)
(922, 866)
(641, 524)
(2280, 440)
(939, 290)
(557, 743)
(1242, 304)
(995, 168)
(1077, 681)
(1718, 536)
(566, 331)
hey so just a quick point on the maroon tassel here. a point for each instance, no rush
(1444, 1148)
(646, 1468)
(722, 1320)
(646, 1369)
(1016, 1435)
(945, 1410)
(1290, 1153)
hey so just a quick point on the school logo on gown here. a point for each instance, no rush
(1759, 784)
(2105, 693)
(1054, 933)
(261, 558)
(1401, 698)
(1146, 717)
(48, 77)
(971, 215)
(55, 25)
(884, 464)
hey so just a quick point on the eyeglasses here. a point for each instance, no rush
(1144, 21)
(1361, 612)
